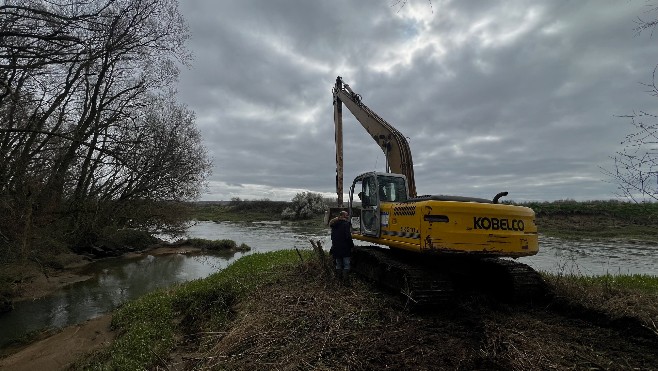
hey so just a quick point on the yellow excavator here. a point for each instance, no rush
(437, 245)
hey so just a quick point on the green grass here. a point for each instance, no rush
(597, 220)
(641, 213)
(148, 326)
(146, 331)
(634, 282)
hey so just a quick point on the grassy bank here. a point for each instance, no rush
(598, 220)
(195, 312)
(280, 308)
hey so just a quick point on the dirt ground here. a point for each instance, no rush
(59, 351)
(34, 281)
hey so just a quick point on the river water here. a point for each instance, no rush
(115, 281)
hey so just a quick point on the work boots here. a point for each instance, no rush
(346, 280)
(343, 276)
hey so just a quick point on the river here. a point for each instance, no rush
(116, 281)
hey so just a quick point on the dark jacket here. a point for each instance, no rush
(341, 238)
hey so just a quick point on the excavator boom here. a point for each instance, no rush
(394, 145)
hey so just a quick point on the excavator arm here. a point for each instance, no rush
(394, 145)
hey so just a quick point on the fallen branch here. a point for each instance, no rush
(322, 257)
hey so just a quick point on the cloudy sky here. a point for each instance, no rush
(518, 96)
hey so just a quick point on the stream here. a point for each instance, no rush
(116, 281)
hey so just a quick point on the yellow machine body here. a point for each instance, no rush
(440, 224)
(456, 227)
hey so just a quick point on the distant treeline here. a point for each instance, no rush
(304, 205)
(630, 211)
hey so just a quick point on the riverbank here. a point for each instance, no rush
(281, 309)
(62, 349)
(571, 220)
(598, 220)
(32, 279)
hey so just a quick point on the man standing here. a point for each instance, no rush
(341, 244)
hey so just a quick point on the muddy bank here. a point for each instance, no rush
(33, 281)
(61, 350)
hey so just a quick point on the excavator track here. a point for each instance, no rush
(520, 283)
(436, 280)
(418, 286)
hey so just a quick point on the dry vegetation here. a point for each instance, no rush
(305, 321)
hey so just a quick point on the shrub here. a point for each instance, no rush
(304, 205)
(214, 245)
(133, 238)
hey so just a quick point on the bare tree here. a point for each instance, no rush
(400, 4)
(86, 110)
(644, 24)
(636, 165)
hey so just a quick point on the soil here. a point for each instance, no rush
(60, 351)
(35, 281)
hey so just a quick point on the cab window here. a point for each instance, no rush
(392, 189)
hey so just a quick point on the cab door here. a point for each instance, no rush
(370, 211)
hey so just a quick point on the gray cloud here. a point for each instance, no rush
(492, 96)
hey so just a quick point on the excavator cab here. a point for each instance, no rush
(371, 190)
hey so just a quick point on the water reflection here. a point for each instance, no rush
(594, 257)
(261, 236)
(114, 282)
